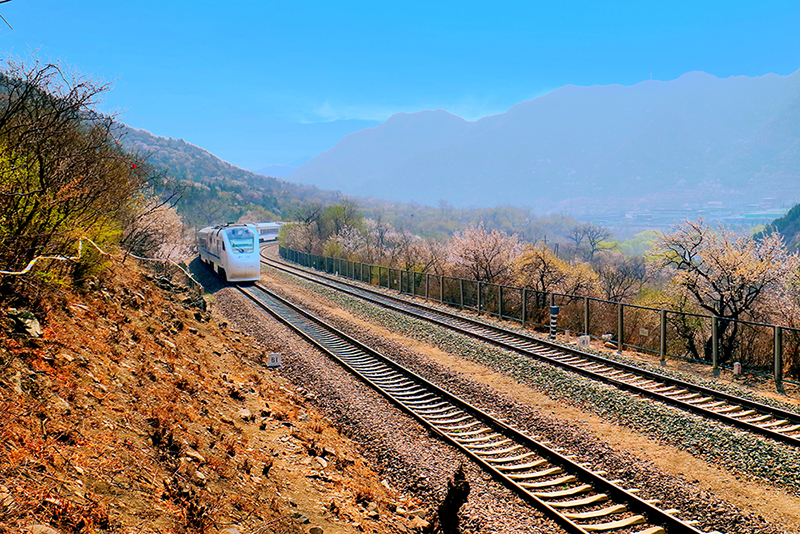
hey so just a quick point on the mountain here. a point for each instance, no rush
(611, 148)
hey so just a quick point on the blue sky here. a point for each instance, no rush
(262, 82)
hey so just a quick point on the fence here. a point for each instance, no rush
(168, 264)
(761, 349)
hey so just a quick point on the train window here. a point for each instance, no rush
(242, 240)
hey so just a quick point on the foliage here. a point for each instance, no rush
(62, 174)
(725, 274)
(639, 243)
(787, 226)
(540, 269)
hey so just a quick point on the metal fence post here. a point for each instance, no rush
(441, 289)
(586, 315)
(479, 298)
(427, 285)
(461, 288)
(524, 305)
(663, 345)
(620, 327)
(500, 303)
(715, 345)
(778, 367)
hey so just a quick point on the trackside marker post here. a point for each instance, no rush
(553, 320)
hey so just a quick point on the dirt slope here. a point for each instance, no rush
(137, 412)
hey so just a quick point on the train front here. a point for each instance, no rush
(244, 262)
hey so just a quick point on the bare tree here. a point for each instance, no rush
(620, 277)
(595, 236)
(589, 238)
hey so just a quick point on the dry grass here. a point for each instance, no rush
(124, 417)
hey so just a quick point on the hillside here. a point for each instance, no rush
(214, 191)
(134, 411)
(788, 226)
(600, 149)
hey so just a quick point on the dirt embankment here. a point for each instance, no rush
(135, 411)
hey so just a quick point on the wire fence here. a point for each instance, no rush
(761, 349)
(190, 280)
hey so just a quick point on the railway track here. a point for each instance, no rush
(571, 493)
(775, 423)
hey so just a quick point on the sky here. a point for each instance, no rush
(261, 83)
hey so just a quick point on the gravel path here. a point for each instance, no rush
(418, 463)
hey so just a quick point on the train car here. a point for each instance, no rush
(232, 250)
(267, 231)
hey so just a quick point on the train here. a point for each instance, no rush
(267, 231)
(232, 251)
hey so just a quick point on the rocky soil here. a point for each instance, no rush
(130, 409)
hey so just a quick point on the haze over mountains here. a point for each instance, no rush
(589, 150)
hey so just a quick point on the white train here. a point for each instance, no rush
(267, 231)
(232, 250)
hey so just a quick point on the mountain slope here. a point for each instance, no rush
(214, 191)
(695, 138)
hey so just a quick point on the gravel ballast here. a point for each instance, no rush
(417, 462)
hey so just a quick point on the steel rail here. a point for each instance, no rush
(775, 423)
(578, 498)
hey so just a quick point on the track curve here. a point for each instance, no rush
(757, 418)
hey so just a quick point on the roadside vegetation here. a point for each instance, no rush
(65, 183)
(694, 270)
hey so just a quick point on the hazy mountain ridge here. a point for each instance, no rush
(698, 137)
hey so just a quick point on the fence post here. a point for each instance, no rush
(400, 283)
(524, 305)
(479, 298)
(500, 303)
(620, 327)
(441, 289)
(778, 367)
(461, 288)
(427, 285)
(663, 345)
(715, 345)
(586, 315)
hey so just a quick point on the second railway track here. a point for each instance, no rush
(762, 419)
(577, 497)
